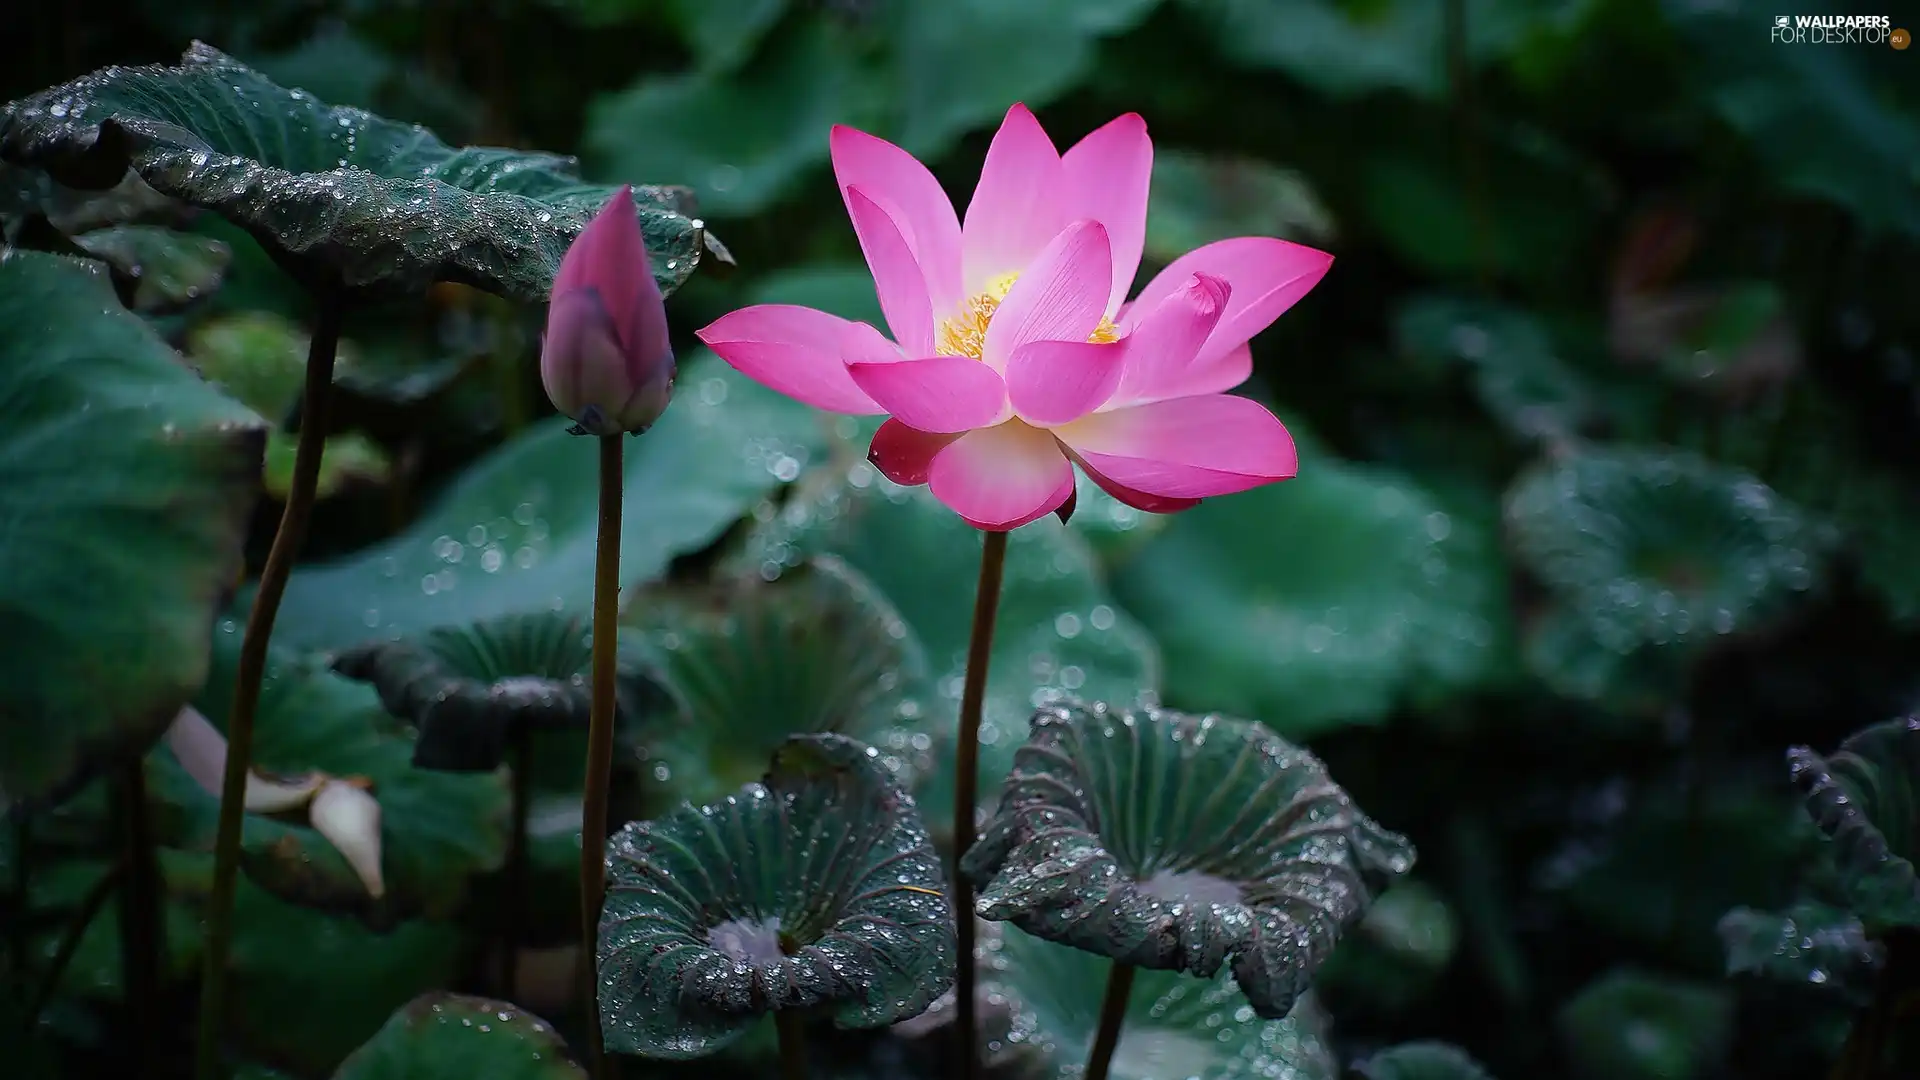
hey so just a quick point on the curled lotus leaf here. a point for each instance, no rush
(816, 890)
(335, 193)
(1811, 944)
(750, 662)
(467, 687)
(1660, 548)
(1866, 798)
(1184, 843)
(161, 269)
(442, 1036)
(1050, 997)
(1422, 1061)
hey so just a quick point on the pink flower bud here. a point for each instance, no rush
(606, 361)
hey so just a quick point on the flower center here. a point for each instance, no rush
(965, 333)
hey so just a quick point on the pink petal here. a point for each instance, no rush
(1185, 448)
(1016, 207)
(1062, 296)
(1000, 478)
(1162, 346)
(896, 276)
(908, 192)
(941, 394)
(1267, 276)
(905, 455)
(1217, 375)
(801, 353)
(1107, 176)
(1139, 500)
(1054, 382)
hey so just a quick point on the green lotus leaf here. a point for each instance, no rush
(437, 830)
(1392, 593)
(257, 357)
(1518, 374)
(105, 436)
(442, 1036)
(817, 890)
(1181, 843)
(1661, 549)
(1423, 1061)
(344, 460)
(1811, 944)
(168, 269)
(1049, 996)
(467, 688)
(1198, 200)
(1866, 797)
(516, 531)
(336, 193)
(1057, 633)
(1628, 1025)
(751, 662)
(1398, 950)
(29, 194)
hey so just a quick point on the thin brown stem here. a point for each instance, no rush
(593, 808)
(70, 939)
(141, 941)
(251, 670)
(793, 1044)
(514, 906)
(1113, 1010)
(966, 782)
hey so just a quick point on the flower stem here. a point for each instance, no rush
(141, 941)
(83, 917)
(514, 907)
(966, 781)
(593, 807)
(1113, 1009)
(250, 671)
(793, 1044)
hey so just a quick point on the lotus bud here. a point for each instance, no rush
(606, 360)
(349, 817)
(202, 751)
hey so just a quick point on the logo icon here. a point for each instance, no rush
(1900, 39)
(1783, 21)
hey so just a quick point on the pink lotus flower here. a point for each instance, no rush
(606, 361)
(1015, 354)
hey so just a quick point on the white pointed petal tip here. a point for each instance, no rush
(202, 751)
(349, 817)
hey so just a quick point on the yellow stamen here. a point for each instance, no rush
(965, 334)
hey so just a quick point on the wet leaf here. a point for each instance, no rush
(751, 662)
(345, 460)
(438, 830)
(816, 891)
(1810, 944)
(1628, 1025)
(1389, 594)
(168, 269)
(1175, 1025)
(257, 357)
(1660, 549)
(29, 193)
(468, 687)
(1198, 199)
(336, 193)
(515, 532)
(1422, 1061)
(1181, 843)
(442, 1036)
(1518, 374)
(1866, 797)
(1058, 632)
(105, 436)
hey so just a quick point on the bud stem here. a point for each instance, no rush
(593, 807)
(251, 669)
(966, 781)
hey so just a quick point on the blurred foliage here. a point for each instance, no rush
(1609, 495)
